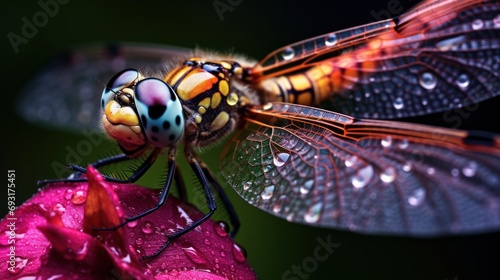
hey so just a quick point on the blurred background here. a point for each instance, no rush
(252, 28)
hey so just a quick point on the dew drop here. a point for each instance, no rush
(147, 227)
(79, 197)
(279, 204)
(20, 264)
(386, 142)
(331, 40)
(398, 103)
(280, 159)
(132, 224)
(431, 170)
(477, 24)
(267, 193)
(69, 194)
(455, 172)
(428, 80)
(388, 175)
(496, 21)
(239, 253)
(350, 161)
(288, 54)
(221, 228)
(194, 255)
(470, 169)
(139, 241)
(362, 177)
(247, 185)
(306, 188)
(463, 81)
(407, 167)
(59, 208)
(403, 144)
(313, 213)
(417, 197)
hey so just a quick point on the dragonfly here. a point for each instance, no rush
(312, 128)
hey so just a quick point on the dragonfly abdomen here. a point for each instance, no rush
(310, 87)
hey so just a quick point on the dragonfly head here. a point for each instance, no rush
(139, 111)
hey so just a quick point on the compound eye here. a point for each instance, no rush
(123, 79)
(160, 112)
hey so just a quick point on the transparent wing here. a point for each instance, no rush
(316, 167)
(65, 93)
(439, 56)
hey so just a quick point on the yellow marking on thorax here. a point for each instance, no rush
(195, 83)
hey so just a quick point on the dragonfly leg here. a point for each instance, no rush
(172, 167)
(181, 186)
(138, 173)
(233, 216)
(205, 184)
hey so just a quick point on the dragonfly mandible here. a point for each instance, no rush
(312, 165)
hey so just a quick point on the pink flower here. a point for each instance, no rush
(51, 236)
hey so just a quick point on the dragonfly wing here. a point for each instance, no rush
(435, 62)
(316, 167)
(439, 56)
(66, 92)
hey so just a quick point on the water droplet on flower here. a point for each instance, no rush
(194, 255)
(267, 193)
(306, 188)
(313, 213)
(477, 24)
(20, 264)
(362, 177)
(221, 228)
(470, 169)
(463, 81)
(428, 80)
(132, 224)
(417, 197)
(79, 197)
(386, 142)
(350, 161)
(331, 40)
(59, 208)
(147, 227)
(398, 103)
(288, 54)
(280, 159)
(239, 253)
(139, 241)
(69, 194)
(388, 175)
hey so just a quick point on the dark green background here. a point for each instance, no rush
(253, 28)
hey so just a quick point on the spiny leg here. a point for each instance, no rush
(138, 173)
(233, 216)
(172, 167)
(200, 174)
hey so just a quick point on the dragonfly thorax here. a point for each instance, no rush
(211, 96)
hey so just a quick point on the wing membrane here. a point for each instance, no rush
(441, 55)
(316, 167)
(64, 94)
